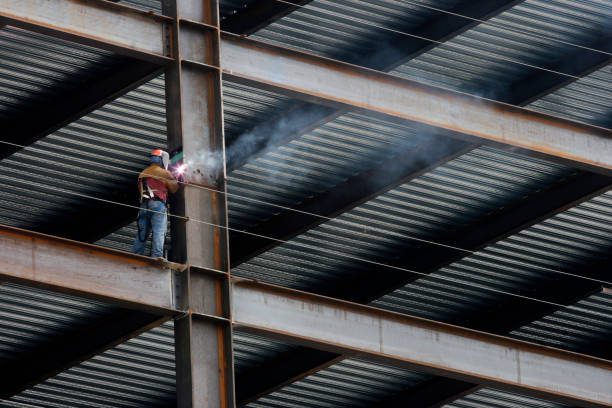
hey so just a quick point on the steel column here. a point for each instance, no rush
(98, 23)
(345, 86)
(203, 347)
(421, 344)
(134, 281)
(195, 125)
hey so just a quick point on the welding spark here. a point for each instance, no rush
(180, 170)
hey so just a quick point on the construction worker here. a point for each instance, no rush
(154, 184)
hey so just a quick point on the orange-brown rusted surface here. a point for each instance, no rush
(342, 85)
(87, 270)
(437, 326)
(98, 23)
(421, 344)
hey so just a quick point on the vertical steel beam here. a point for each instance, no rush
(195, 125)
(203, 349)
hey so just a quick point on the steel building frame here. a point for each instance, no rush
(297, 317)
(337, 84)
(198, 291)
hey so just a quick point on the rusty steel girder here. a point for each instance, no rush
(98, 23)
(345, 86)
(86, 270)
(424, 345)
(148, 36)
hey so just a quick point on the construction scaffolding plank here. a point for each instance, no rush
(346, 86)
(86, 270)
(421, 344)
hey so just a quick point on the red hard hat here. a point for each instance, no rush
(165, 157)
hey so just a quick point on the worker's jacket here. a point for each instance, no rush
(159, 181)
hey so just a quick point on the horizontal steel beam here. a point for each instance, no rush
(98, 23)
(86, 270)
(346, 86)
(421, 344)
(133, 32)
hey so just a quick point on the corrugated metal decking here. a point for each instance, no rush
(30, 317)
(106, 148)
(565, 242)
(452, 195)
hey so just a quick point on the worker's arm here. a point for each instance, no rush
(171, 183)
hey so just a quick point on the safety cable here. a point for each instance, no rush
(484, 22)
(339, 253)
(506, 27)
(336, 253)
(355, 224)
(450, 46)
(367, 228)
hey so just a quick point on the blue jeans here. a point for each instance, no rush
(151, 217)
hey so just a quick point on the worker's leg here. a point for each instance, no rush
(158, 223)
(144, 228)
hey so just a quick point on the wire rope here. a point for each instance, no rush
(506, 27)
(451, 46)
(365, 227)
(333, 253)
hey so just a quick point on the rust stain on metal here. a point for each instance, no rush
(380, 336)
(521, 120)
(34, 250)
(383, 77)
(518, 367)
(217, 234)
(87, 9)
(502, 341)
(219, 298)
(76, 246)
(221, 344)
(223, 376)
